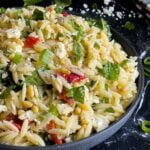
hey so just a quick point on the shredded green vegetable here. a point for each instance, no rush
(147, 66)
(110, 110)
(146, 126)
(31, 2)
(129, 25)
(77, 94)
(17, 58)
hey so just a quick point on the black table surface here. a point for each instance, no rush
(130, 136)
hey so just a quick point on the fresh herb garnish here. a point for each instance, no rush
(34, 79)
(94, 6)
(53, 109)
(91, 21)
(78, 52)
(101, 23)
(111, 71)
(123, 63)
(5, 94)
(110, 110)
(96, 45)
(31, 2)
(106, 100)
(61, 4)
(129, 25)
(106, 86)
(38, 15)
(44, 58)
(147, 66)
(77, 94)
(146, 126)
(2, 10)
(17, 58)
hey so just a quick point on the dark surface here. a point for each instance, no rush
(130, 136)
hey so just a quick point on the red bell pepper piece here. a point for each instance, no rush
(31, 41)
(65, 14)
(55, 137)
(66, 99)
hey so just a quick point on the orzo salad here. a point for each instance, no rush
(62, 77)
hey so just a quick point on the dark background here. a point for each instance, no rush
(130, 136)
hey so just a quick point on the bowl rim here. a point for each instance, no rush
(113, 124)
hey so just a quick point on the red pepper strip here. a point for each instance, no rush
(65, 14)
(55, 137)
(66, 99)
(31, 41)
(72, 77)
(17, 125)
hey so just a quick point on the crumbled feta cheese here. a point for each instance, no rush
(60, 51)
(108, 11)
(119, 15)
(13, 33)
(106, 2)
(93, 10)
(85, 5)
(3, 108)
(83, 12)
(70, 9)
(64, 109)
(87, 9)
(27, 115)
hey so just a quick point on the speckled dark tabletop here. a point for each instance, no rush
(130, 136)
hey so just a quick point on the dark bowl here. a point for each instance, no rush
(97, 138)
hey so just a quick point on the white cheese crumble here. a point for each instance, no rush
(106, 2)
(13, 33)
(70, 9)
(3, 108)
(85, 5)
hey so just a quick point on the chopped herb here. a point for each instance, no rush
(94, 6)
(123, 63)
(78, 48)
(110, 110)
(80, 30)
(96, 45)
(111, 71)
(61, 4)
(147, 66)
(2, 10)
(17, 58)
(24, 34)
(106, 100)
(77, 94)
(31, 2)
(146, 126)
(44, 58)
(78, 52)
(53, 109)
(91, 21)
(38, 15)
(101, 23)
(129, 25)
(34, 79)
(100, 70)
(147, 60)
(5, 94)
(106, 86)
(18, 12)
